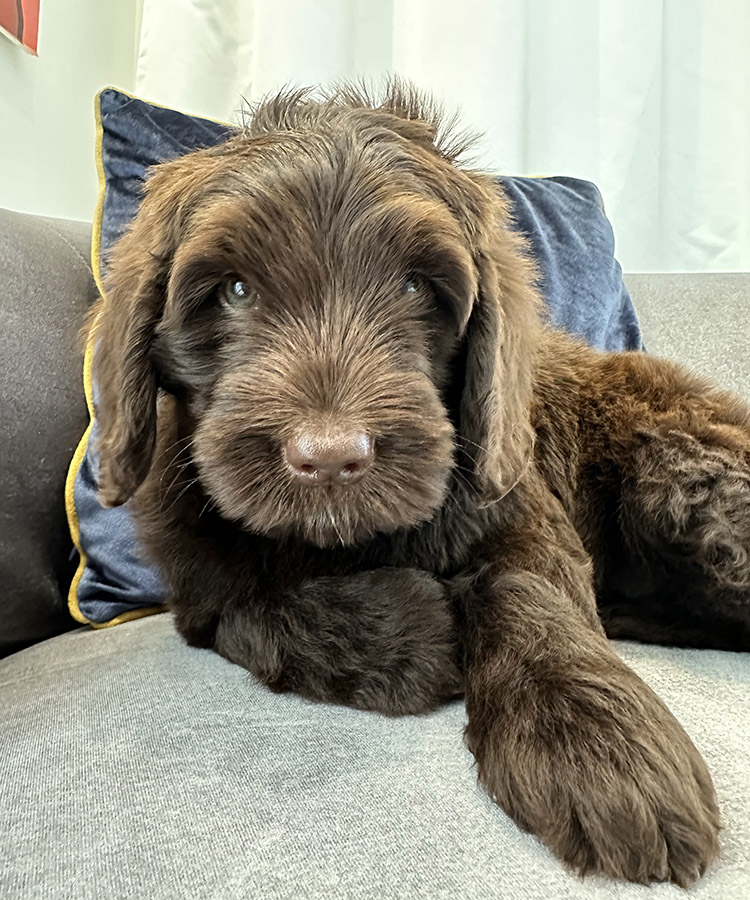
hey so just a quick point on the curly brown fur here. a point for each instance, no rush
(518, 478)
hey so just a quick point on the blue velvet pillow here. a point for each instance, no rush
(563, 217)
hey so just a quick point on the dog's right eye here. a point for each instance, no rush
(237, 294)
(414, 283)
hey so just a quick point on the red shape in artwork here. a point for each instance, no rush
(20, 21)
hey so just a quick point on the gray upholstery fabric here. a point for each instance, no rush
(702, 321)
(45, 288)
(135, 767)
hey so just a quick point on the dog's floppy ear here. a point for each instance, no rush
(123, 328)
(501, 340)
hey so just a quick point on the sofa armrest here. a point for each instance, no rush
(701, 320)
(46, 286)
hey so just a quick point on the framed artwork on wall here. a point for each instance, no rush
(19, 20)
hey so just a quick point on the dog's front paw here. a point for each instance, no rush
(607, 778)
(382, 640)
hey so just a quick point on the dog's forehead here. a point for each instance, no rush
(286, 205)
(322, 173)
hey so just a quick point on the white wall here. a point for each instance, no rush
(47, 103)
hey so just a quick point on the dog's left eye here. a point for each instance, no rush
(236, 293)
(413, 284)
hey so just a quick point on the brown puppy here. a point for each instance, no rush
(371, 475)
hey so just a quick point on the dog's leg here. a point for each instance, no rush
(684, 514)
(381, 640)
(568, 740)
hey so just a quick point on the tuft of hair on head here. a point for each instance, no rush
(297, 109)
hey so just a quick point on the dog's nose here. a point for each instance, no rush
(330, 457)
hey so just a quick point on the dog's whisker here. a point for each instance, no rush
(332, 518)
(179, 467)
(173, 464)
(186, 488)
(206, 505)
(185, 441)
(460, 437)
(175, 482)
(459, 473)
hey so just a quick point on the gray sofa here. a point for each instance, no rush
(134, 767)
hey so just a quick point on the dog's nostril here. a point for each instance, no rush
(329, 456)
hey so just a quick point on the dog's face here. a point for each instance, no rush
(308, 293)
(309, 325)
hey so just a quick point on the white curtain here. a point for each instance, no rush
(648, 98)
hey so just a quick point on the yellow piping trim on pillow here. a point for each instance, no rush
(88, 359)
(70, 506)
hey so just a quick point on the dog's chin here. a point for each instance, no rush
(335, 532)
(329, 519)
(324, 536)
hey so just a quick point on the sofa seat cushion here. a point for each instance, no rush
(134, 766)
